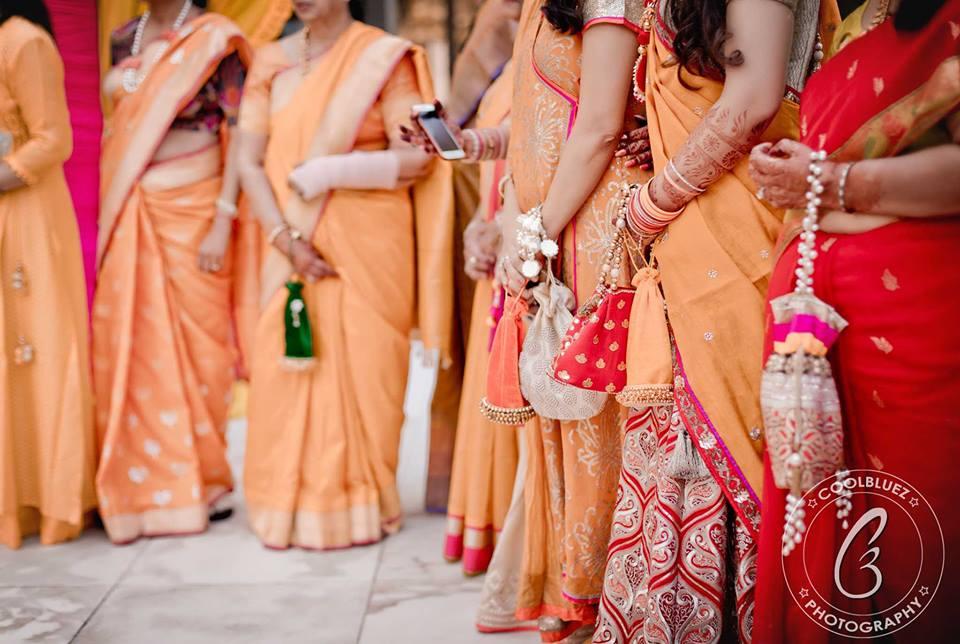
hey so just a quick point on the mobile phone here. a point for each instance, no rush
(438, 132)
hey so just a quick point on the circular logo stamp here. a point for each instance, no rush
(871, 557)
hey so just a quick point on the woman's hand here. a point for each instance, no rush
(635, 145)
(780, 172)
(417, 136)
(480, 241)
(508, 267)
(306, 260)
(213, 248)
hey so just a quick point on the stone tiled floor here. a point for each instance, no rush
(224, 587)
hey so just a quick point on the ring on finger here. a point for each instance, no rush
(761, 195)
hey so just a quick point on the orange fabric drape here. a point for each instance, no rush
(485, 453)
(715, 267)
(322, 445)
(164, 343)
(47, 445)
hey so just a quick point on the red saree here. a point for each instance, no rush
(897, 364)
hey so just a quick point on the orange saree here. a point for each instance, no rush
(164, 339)
(47, 445)
(572, 467)
(322, 444)
(485, 454)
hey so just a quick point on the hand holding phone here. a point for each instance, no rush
(433, 125)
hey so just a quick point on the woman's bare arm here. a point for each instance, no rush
(256, 185)
(609, 53)
(925, 183)
(760, 36)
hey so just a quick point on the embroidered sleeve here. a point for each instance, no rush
(620, 12)
(229, 85)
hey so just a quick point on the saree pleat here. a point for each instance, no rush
(162, 336)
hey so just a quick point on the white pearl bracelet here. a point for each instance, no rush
(532, 239)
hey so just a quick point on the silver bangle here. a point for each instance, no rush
(842, 188)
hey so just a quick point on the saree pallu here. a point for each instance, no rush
(485, 454)
(164, 331)
(682, 562)
(897, 362)
(572, 466)
(322, 446)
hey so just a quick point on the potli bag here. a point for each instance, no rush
(504, 403)
(298, 338)
(801, 408)
(549, 397)
(649, 360)
(594, 350)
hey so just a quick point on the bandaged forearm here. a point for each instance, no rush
(353, 171)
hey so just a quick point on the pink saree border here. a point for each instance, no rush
(715, 454)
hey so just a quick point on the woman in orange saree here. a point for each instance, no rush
(47, 445)
(164, 333)
(682, 562)
(570, 104)
(886, 110)
(375, 251)
(485, 454)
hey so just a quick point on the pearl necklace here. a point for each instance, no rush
(132, 77)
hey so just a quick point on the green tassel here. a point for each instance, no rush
(298, 347)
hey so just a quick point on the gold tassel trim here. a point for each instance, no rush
(514, 417)
(637, 396)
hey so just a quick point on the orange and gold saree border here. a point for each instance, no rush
(141, 121)
(860, 100)
(358, 525)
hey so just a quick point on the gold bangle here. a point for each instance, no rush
(502, 186)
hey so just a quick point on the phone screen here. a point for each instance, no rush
(437, 131)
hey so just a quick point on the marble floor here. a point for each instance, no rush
(223, 586)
